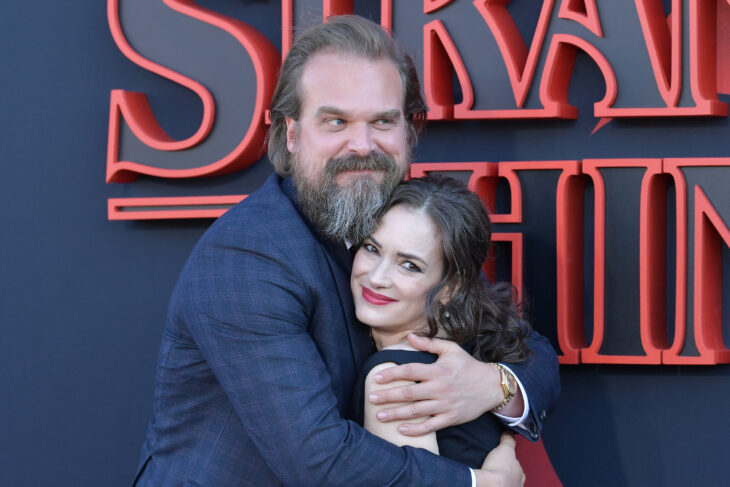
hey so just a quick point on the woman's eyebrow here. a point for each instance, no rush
(403, 255)
(411, 257)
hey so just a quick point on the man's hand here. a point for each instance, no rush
(456, 389)
(501, 467)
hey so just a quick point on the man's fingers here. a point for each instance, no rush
(432, 345)
(503, 454)
(433, 423)
(418, 409)
(424, 391)
(396, 395)
(413, 372)
(507, 439)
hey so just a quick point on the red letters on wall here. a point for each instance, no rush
(636, 295)
(601, 312)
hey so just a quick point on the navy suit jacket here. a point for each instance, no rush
(259, 355)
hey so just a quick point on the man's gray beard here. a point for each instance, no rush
(349, 213)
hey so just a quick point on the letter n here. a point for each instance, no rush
(703, 213)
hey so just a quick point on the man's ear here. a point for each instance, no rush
(291, 134)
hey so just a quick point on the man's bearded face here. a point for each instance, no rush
(349, 144)
(347, 211)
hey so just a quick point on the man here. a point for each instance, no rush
(261, 347)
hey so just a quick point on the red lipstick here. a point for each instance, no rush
(375, 298)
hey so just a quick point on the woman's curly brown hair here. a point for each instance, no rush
(475, 312)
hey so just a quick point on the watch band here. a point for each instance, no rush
(506, 378)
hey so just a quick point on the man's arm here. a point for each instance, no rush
(458, 388)
(248, 312)
(540, 377)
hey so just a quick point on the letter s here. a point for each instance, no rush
(192, 39)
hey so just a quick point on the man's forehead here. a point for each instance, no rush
(331, 81)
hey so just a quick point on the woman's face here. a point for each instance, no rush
(394, 270)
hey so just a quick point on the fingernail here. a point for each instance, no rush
(403, 428)
(378, 377)
(373, 398)
(382, 415)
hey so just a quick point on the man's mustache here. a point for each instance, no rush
(374, 161)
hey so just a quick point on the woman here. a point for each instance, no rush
(420, 272)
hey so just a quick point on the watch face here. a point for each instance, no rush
(511, 383)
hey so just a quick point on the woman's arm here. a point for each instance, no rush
(389, 431)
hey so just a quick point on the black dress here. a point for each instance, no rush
(467, 443)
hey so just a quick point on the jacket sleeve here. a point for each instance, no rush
(247, 309)
(540, 377)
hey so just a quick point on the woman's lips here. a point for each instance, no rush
(375, 298)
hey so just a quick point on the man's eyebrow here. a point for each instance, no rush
(394, 113)
(328, 110)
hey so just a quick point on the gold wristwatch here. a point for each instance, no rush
(509, 386)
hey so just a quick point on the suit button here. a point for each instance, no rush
(542, 415)
(534, 436)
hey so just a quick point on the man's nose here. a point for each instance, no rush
(361, 139)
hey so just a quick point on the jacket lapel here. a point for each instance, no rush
(340, 264)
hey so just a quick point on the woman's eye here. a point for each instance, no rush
(370, 248)
(410, 266)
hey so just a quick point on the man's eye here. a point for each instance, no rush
(335, 122)
(370, 248)
(384, 122)
(410, 266)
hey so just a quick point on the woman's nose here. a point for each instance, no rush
(379, 276)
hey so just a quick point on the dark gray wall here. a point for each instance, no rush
(83, 299)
